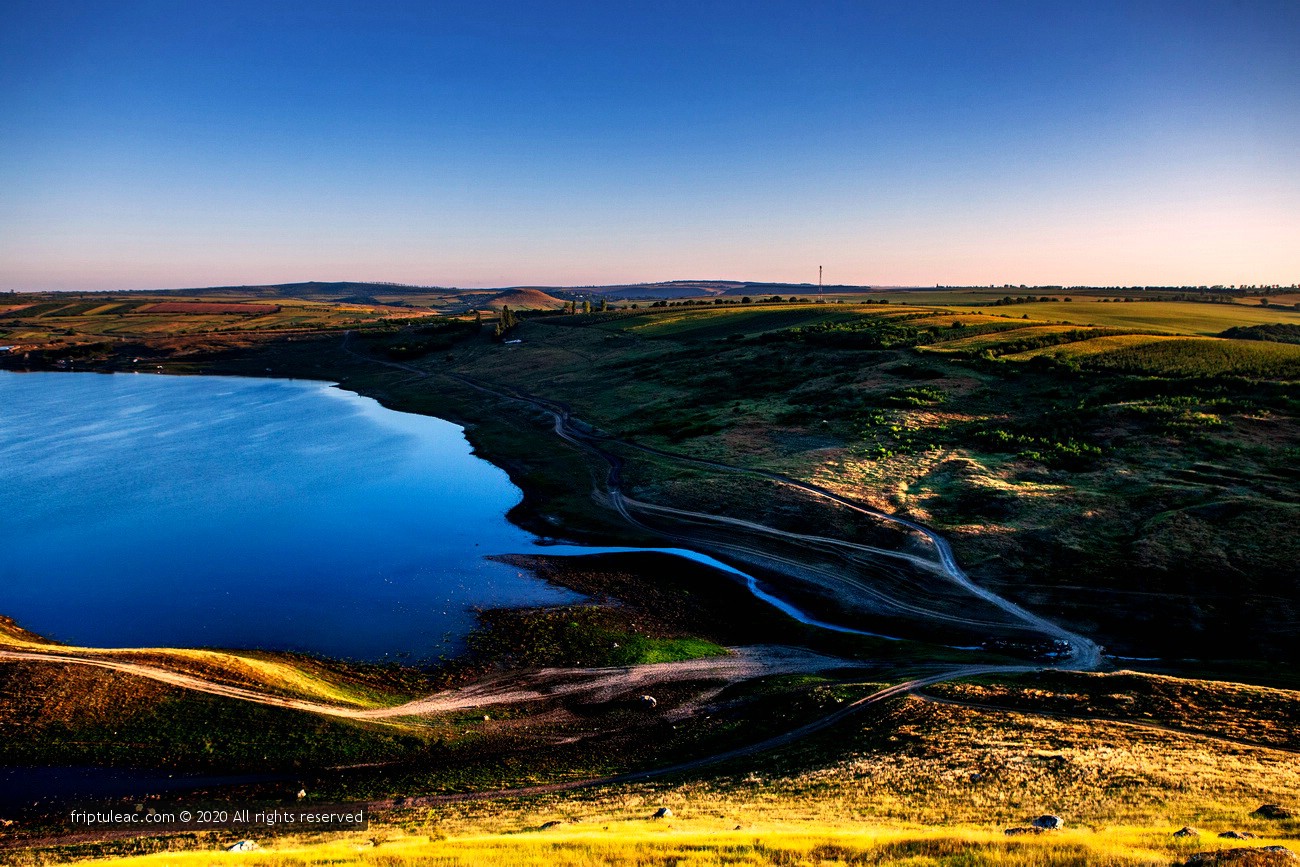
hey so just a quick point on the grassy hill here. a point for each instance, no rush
(523, 299)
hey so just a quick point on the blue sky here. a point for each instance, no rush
(187, 144)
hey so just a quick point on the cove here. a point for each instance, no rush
(203, 511)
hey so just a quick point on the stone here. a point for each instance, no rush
(1271, 811)
(243, 846)
(1023, 829)
(1048, 822)
(663, 813)
(1187, 832)
(1264, 856)
(551, 824)
(1237, 835)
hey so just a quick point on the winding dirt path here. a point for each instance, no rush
(741, 663)
(1084, 654)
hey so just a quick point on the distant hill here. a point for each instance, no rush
(524, 299)
(694, 289)
(343, 290)
(545, 297)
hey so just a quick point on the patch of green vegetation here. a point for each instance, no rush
(578, 636)
(1276, 333)
(1203, 358)
(1068, 453)
(1171, 317)
(863, 333)
(692, 324)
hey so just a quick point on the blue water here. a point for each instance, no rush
(141, 510)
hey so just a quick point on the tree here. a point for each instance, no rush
(507, 321)
(586, 306)
(604, 305)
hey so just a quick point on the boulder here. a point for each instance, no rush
(551, 824)
(662, 813)
(1023, 829)
(1187, 832)
(1271, 811)
(243, 846)
(1237, 835)
(1048, 822)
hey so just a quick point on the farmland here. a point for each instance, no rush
(103, 325)
(1175, 317)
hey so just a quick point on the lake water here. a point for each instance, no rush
(140, 510)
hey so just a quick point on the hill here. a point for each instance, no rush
(312, 289)
(524, 299)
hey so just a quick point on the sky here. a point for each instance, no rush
(165, 144)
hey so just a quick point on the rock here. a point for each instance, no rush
(649, 702)
(1237, 835)
(1272, 811)
(662, 813)
(1048, 822)
(243, 846)
(1264, 856)
(1023, 829)
(1187, 832)
(552, 824)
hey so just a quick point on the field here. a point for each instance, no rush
(1174, 317)
(99, 325)
(1123, 474)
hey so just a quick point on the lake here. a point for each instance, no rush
(143, 510)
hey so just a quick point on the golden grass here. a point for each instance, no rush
(1092, 346)
(706, 844)
(1179, 317)
(294, 678)
(912, 783)
(984, 341)
(942, 319)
